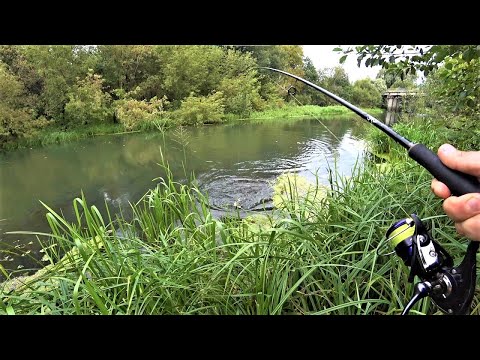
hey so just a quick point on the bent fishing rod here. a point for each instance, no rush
(451, 288)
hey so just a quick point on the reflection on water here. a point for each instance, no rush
(232, 163)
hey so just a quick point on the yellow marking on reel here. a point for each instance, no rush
(401, 233)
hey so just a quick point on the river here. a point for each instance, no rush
(232, 163)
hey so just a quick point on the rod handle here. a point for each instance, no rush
(459, 183)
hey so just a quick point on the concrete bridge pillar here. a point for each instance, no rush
(394, 99)
(392, 108)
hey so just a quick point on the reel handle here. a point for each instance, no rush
(462, 277)
(421, 290)
(463, 280)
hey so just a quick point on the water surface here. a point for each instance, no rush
(232, 163)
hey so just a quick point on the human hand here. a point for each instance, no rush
(463, 210)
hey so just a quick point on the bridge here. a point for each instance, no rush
(394, 98)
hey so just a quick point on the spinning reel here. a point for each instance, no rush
(450, 287)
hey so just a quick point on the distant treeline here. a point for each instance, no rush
(65, 87)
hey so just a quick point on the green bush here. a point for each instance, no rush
(456, 86)
(88, 103)
(133, 113)
(197, 110)
(241, 92)
(366, 94)
(16, 121)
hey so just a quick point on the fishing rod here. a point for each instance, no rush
(451, 288)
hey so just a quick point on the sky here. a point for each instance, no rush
(322, 56)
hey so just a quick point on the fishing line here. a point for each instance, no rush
(451, 288)
(292, 94)
(459, 183)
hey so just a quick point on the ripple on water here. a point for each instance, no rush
(233, 164)
(229, 191)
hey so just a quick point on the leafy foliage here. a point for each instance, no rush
(16, 120)
(87, 102)
(365, 93)
(132, 113)
(457, 85)
(197, 110)
(336, 81)
(391, 80)
(309, 95)
(59, 67)
(241, 95)
(17, 64)
(285, 57)
(240, 85)
(190, 69)
(131, 78)
(457, 67)
(128, 66)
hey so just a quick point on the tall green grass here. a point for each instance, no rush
(174, 257)
(305, 111)
(314, 255)
(54, 134)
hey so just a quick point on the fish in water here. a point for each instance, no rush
(236, 204)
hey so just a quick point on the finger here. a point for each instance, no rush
(464, 161)
(469, 228)
(440, 189)
(462, 207)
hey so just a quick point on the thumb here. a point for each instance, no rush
(465, 161)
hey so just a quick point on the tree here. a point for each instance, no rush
(127, 67)
(380, 85)
(336, 81)
(197, 110)
(239, 84)
(392, 80)
(17, 64)
(365, 93)
(283, 57)
(15, 118)
(87, 102)
(309, 70)
(133, 113)
(59, 67)
(412, 58)
(190, 69)
(265, 55)
(388, 77)
(308, 94)
(457, 62)
(456, 85)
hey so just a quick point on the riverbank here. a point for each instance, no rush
(307, 111)
(313, 257)
(57, 135)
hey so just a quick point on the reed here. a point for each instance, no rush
(310, 256)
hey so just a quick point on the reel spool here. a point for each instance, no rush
(399, 235)
(414, 245)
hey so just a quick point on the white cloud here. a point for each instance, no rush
(322, 56)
